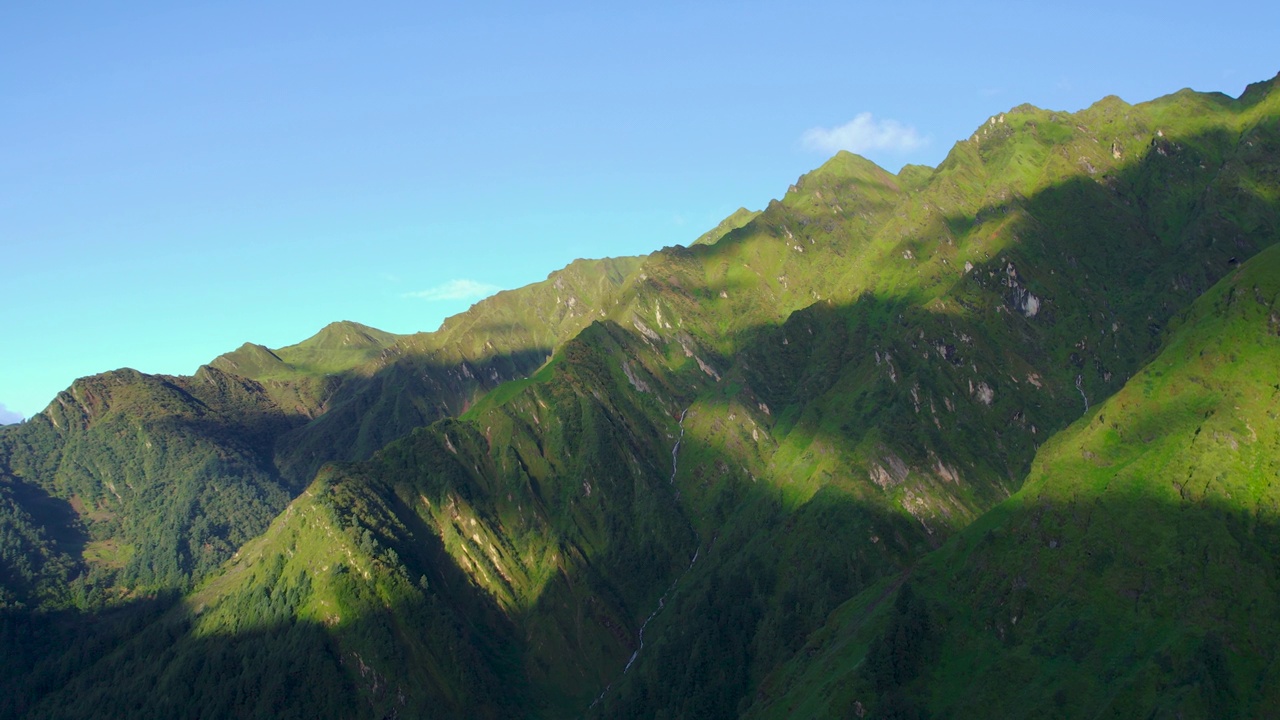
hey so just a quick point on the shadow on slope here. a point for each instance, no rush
(1123, 607)
(368, 412)
(417, 622)
(294, 627)
(1011, 344)
(42, 544)
(860, 386)
(835, 416)
(1134, 575)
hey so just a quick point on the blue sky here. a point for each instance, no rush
(179, 178)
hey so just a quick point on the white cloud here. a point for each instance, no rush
(8, 417)
(455, 290)
(862, 134)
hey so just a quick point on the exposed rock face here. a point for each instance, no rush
(889, 472)
(1021, 299)
(635, 381)
(984, 393)
(1025, 302)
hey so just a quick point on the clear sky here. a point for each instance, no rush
(179, 178)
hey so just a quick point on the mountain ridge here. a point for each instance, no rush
(718, 444)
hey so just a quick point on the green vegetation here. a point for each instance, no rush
(739, 218)
(1134, 572)
(829, 460)
(165, 476)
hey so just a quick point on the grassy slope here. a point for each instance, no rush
(740, 217)
(852, 435)
(300, 624)
(130, 483)
(862, 376)
(426, 376)
(463, 549)
(134, 453)
(787, 555)
(152, 438)
(1135, 572)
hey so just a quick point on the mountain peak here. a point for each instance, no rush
(1254, 92)
(848, 164)
(347, 335)
(844, 169)
(250, 360)
(736, 220)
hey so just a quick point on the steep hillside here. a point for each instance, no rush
(1133, 575)
(295, 627)
(161, 477)
(113, 452)
(424, 377)
(635, 489)
(855, 434)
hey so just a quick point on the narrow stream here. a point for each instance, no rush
(662, 601)
(675, 451)
(1079, 386)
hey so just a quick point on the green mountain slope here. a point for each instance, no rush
(1134, 573)
(302, 377)
(427, 376)
(259, 422)
(293, 627)
(740, 217)
(637, 488)
(884, 422)
(165, 476)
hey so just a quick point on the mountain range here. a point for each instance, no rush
(995, 438)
